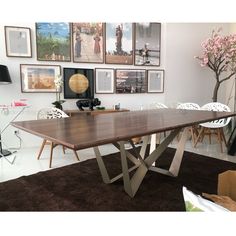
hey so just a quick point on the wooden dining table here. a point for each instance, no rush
(80, 132)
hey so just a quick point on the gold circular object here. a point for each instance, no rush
(78, 83)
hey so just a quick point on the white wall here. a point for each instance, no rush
(185, 79)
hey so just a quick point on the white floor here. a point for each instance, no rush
(26, 162)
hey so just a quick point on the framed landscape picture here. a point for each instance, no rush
(39, 78)
(18, 41)
(88, 42)
(104, 80)
(147, 46)
(119, 43)
(131, 81)
(155, 81)
(53, 41)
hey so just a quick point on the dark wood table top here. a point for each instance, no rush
(81, 132)
(94, 112)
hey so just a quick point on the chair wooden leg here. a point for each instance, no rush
(209, 136)
(219, 139)
(164, 133)
(203, 134)
(41, 149)
(199, 136)
(63, 149)
(192, 135)
(158, 138)
(51, 153)
(76, 155)
(223, 135)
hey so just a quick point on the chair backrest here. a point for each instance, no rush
(51, 113)
(216, 106)
(160, 105)
(189, 106)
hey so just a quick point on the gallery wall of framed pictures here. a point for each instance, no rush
(137, 46)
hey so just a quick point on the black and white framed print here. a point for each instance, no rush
(104, 82)
(147, 44)
(155, 81)
(18, 41)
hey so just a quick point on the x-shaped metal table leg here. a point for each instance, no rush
(131, 185)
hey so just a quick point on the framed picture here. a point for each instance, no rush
(155, 81)
(131, 81)
(104, 80)
(39, 78)
(18, 41)
(147, 44)
(119, 43)
(88, 42)
(53, 41)
(78, 83)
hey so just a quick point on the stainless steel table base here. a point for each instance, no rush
(141, 164)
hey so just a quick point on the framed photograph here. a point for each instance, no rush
(155, 81)
(88, 42)
(39, 78)
(147, 46)
(104, 80)
(119, 43)
(78, 83)
(18, 41)
(131, 81)
(53, 41)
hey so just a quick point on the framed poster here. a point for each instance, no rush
(147, 46)
(53, 41)
(119, 43)
(78, 83)
(18, 41)
(155, 81)
(131, 81)
(39, 78)
(88, 42)
(104, 82)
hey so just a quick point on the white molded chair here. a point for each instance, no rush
(215, 126)
(160, 105)
(190, 106)
(52, 113)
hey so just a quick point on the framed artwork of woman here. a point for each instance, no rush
(87, 42)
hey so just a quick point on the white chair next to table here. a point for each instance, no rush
(216, 126)
(52, 113)
(190, 106)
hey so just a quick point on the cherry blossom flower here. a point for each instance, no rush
(219, 54)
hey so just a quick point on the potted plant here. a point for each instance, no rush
(58, 83)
